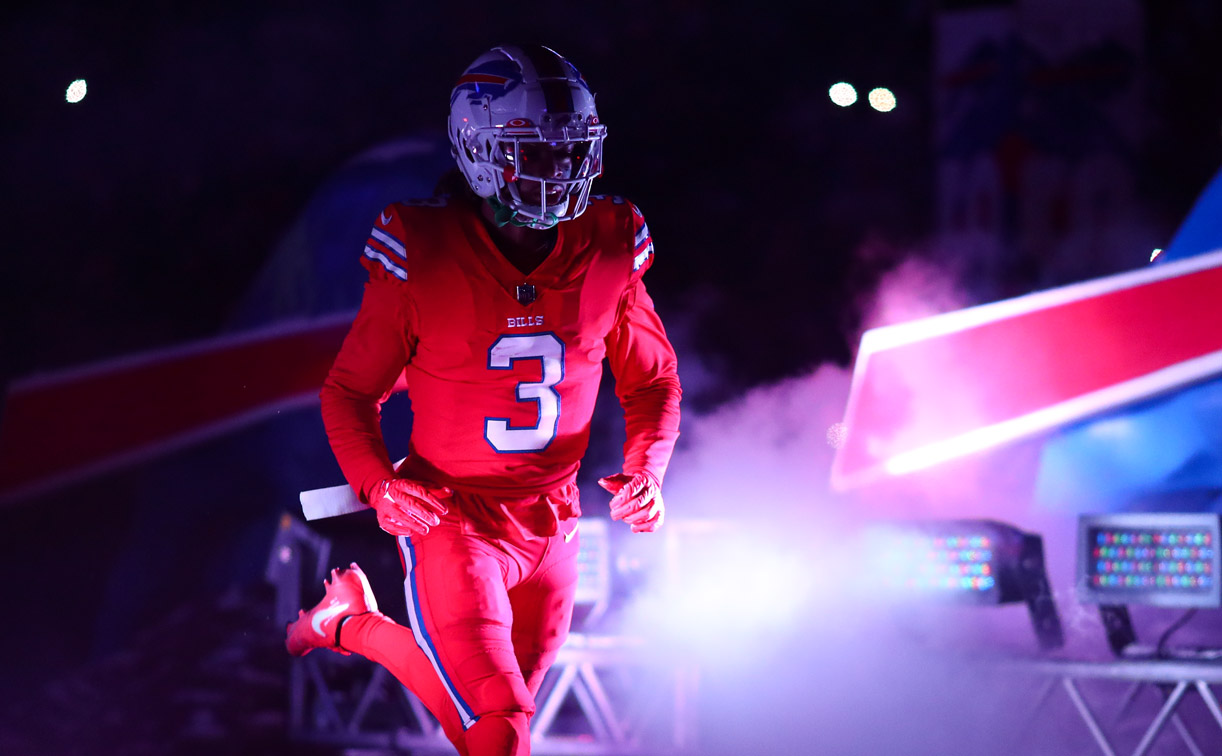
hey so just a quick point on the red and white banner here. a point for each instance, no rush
(62, 427)
(947, 386)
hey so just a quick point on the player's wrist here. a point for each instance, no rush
(380, 494)
(649, 474)
(372, 486)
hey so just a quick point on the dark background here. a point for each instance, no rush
(139, 218)
(152, 203)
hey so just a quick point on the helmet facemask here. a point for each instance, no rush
(546, 181)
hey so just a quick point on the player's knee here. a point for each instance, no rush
(534, 665)
(515, 719)
(534, 653)
(503, 695)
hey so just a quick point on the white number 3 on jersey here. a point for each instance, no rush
(507, 350)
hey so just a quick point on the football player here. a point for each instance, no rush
(498, 304)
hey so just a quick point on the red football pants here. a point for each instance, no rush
(487, 618)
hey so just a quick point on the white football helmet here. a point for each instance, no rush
(526, 135)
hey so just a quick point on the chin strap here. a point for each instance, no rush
(504, 215)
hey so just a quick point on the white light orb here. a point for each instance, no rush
(882, 100)
(76, 91)
(842, 93)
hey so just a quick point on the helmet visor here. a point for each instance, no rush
(539, 160)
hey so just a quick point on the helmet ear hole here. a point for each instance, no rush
(483, 181)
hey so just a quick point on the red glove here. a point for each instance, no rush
(637, 500)
(407, 508)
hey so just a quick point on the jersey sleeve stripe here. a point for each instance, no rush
(642, 256)
(642, 234)
(379, 246)
(390, 266)
(391, 242)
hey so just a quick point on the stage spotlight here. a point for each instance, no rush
(1157, 559)
(981, 562)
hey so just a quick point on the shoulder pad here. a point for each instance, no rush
(625, 212)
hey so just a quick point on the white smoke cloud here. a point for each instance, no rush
(920, 285)
(759, 576)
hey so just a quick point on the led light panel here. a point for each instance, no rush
(1156, 559)
(966, 562)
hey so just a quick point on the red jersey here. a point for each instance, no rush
(502, 368)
